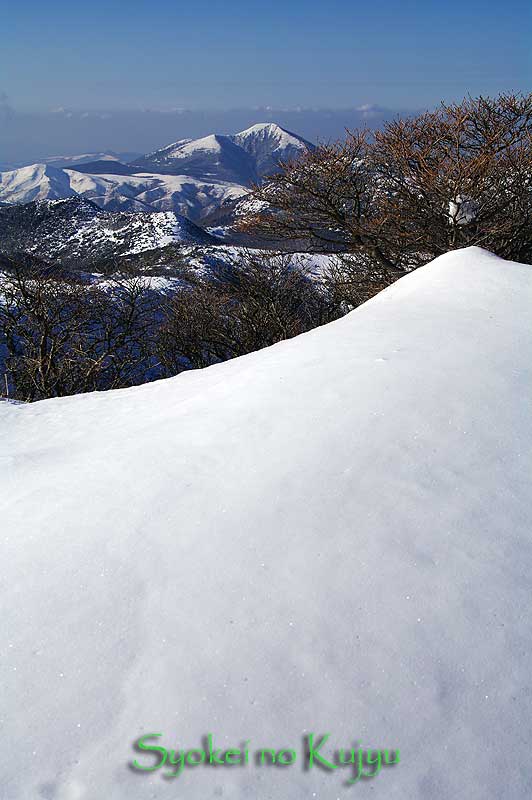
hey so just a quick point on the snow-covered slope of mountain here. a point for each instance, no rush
(329, 536)
(189, 177)
(36, 182)
(85, 158)
(75, 231)
(268, 144)
(210, 158)
(144, 192)
(242, 158)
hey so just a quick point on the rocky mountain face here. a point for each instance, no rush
(76, 232)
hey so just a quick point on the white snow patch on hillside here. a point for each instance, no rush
(331, 535)
(208, 144)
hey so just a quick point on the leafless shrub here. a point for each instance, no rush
(63, 336)
(260, 299)
(454, 177)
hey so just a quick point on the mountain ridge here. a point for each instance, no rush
(190, 177)
(259, 148)
(75, 231)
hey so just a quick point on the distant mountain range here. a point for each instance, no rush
(109, 156)
(143, 192)
(193, 178)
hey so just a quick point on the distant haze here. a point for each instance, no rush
(27, 137)
(146, 61)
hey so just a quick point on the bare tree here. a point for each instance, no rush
(349, 280)
(454, 177)
(64, 336)
(323, 201)
(457, 177)
(259, 299)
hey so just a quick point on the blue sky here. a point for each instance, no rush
(214, 54)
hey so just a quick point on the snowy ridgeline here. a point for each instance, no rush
(330, 535)
(190, 177)
(142, 192)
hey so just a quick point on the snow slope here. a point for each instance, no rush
(242, 158)
(36, 182)
(331, 535)
(212, 157)
(143, 192)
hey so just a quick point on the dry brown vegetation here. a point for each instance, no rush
(61, 335)
(454, 177)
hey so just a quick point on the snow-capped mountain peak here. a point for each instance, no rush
(270, 131)
(242, 158)
(269, 144)
(194, 177)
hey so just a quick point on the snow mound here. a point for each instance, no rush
(330, 535)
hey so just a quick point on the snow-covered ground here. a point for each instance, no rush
(332, 535)
(76, 231)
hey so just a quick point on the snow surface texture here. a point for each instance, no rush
(331, 535)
